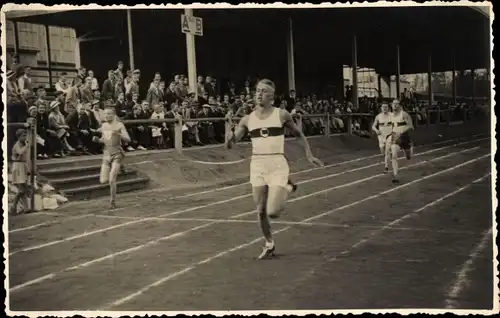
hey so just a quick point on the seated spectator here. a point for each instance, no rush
(74, 133)
(139, 133)
(52, 146)
(58, 124)
(97, 108)
(191, 127)
(207, 133)
(121, 106)
(159, 131)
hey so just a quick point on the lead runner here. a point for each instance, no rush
(269, 170)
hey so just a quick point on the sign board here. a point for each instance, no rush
(192, 25)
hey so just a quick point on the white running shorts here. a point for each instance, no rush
(270, 170)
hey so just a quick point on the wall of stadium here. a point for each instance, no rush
(33, 50)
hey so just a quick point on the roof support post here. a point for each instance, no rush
(191, 57)
(130, 40)
(290, 56)
(398, 74)
(355, 100)
(429, 79)
(49, 54)
(473, 79)
(454, 79)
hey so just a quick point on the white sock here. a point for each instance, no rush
(270, 244)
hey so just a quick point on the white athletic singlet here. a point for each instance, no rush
(111, 138)
(384, 123)
(268, 135)
(398, 121)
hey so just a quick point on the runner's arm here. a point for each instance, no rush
(124, 133)
(240, 130)
(375, 125)
(409, 123)
(289, 123)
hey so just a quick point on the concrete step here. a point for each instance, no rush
(68, 172)
(91, 178)
(125, 184)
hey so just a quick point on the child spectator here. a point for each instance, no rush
(20, 171)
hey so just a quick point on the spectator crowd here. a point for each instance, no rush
(69, 118)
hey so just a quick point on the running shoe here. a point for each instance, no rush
(267, 252)
(386, 170)
(292, 187)
(395, 180)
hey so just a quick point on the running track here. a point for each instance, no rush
(348, 239)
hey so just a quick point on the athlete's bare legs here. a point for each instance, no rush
(260, 195)
(395, 165)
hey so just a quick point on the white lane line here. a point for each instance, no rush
(85, 234)
(391, 225)
(228, 251)
(107, 257)
(138, 247)
(213, 190)
(365, 179)
(462, 280)
(31, 227)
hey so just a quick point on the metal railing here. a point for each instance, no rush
(432, 116)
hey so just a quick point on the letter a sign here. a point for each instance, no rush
(192, 25)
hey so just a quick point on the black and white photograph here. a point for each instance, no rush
(249, 158)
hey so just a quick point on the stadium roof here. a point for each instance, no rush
(321, 35)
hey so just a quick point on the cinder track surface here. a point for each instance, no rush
(348, 239)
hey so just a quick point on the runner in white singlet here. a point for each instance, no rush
(113, 133)
(269, 168)
(382, 126)
(402, 124)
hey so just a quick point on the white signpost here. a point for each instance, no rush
(191, 26)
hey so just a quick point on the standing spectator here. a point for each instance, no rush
(62, 85)
(86, 91)
(127, 82)
(20, 170)
(82, 74)
(119, 88)
(41, 95)
(200, 86)
(134, 85)
(246, 88)
(170, 95)
(119, 71)
(153, 96)
(73, 97)
(94, 85)
(25, 81)
(108, 87)
(209, 88)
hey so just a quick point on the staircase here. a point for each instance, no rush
(79, 179)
